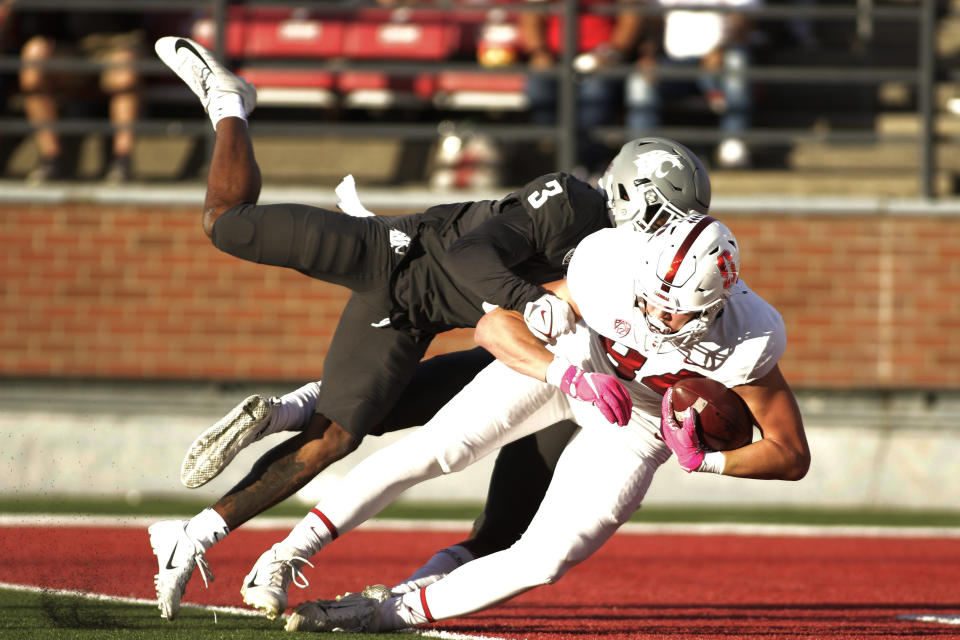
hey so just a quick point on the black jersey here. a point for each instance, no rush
(493, 251)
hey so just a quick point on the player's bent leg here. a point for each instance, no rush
(461, 433)
(518, 483)
(285, 469)
(497, 407)
(573, 521)
(177, 556)
(320, 243)
(234, 177)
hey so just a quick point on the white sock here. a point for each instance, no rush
(311, 534)
(207, 528)
(295, 408)
(442, 563)
(400, 612)
(225, 105)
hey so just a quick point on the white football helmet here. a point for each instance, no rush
(688, 266)
(652, 181)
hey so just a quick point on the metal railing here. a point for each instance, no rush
(919, 17)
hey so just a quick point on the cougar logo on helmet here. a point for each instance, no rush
(652, 181)
(651, 163)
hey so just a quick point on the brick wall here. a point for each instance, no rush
(105, 291)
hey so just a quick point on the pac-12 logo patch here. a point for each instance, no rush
(621, 328)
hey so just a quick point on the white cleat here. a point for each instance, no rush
(351, 612)
(265, 587)
(216, 447)
(203, 74)
(177, 555)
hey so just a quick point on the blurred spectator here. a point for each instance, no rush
(717, 43)
(113, 39)
(7, 45)
(603, 41)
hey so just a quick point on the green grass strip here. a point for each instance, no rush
(167, 506)
(47, 615)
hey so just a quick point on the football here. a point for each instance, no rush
(725, 421)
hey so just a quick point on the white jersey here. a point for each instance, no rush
(742, 344)
(604, 471)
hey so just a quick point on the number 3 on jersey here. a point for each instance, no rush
(538, 198)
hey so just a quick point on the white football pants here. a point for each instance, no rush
(600, 481)
(497, 407)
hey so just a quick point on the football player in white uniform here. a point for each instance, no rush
(654, 311)
(411, 278)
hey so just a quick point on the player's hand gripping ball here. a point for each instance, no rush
(723, 420)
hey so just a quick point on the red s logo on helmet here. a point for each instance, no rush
(728, 269)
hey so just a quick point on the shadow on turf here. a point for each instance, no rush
(81, 614)
(78, 613)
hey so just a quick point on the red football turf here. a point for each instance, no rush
(637, 586)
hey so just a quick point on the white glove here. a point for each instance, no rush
(548, 317)
(349, 201)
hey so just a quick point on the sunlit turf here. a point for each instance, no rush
(30, 615)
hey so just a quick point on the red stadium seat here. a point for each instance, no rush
(497, 44)
(264, 33)
(291, 87)
(464, 90)
(367, 34)
(394, 40)
(275, 33)
(378, 90)
(401, 41)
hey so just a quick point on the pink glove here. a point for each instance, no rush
(601, 390)
(681, 438)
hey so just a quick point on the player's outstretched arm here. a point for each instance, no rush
(508, 337)
(782, 453)
(505, 334)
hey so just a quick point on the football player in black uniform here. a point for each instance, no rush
(411, 277)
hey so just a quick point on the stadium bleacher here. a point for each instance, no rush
(397, 72)
(254, 34)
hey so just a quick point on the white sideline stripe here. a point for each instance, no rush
(216, 609)
(638, 528)
(101, 596)
(931, 618)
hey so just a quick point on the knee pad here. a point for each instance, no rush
(241, 232)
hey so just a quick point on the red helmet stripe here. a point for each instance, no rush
(705, 222)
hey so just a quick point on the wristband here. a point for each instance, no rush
(555, 371)
(713, 462)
